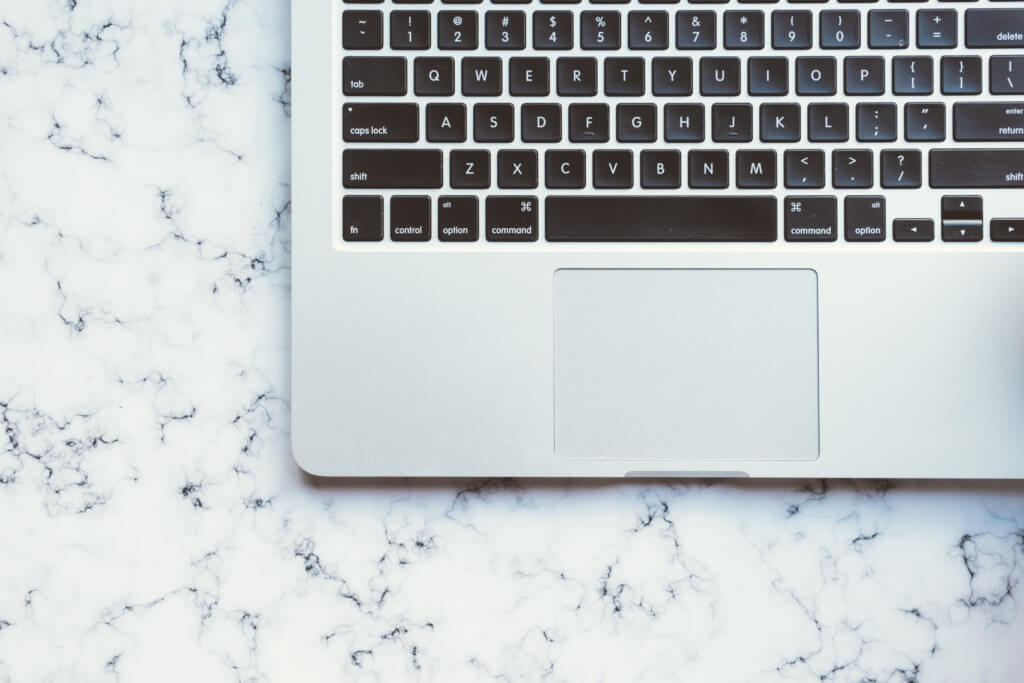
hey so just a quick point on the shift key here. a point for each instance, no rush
(380, 122)
(391, 168)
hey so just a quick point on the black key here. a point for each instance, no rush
(756, 169)
(410, 219)
(408, 2)
(588, 123)
(561, 2)
(912, 76)
(636, 123)
(805, 168)
(768, 76)
(362, 30)
(811, 219)
(380, 122)
(816, 75)
(481, 76)
(493, 122)
(362, 219)
(976, 167)
(446, 123)
(876, 122)
(600, 30)
(696, 30)
(1006, 230)
(391, 168)
(624, 76)
(852, 168)
(791, 30)
(613, 169)
(541, 123)
(1000, 28)
(840, 30)
(648, 30)
(864, 75)
(660, 169)
(988, 121)
(936, 28)
(528, 76)
(913, 230)
(961, 75)
(434, 76)
(457, 30)
(924, 122)
(373, 76)
(470, 169)
(462, 2)
(744, 30)
(670, 76)
(962, 218)
(780, 122)
(1006, 75)
(517, 169)
(864, 219)
(552, 30)
(732, 122)
(828, 122)
(684, 123)
(410, 30)
(577, 76)
(565, 169)
(667, 218)
(458, 219)
(708, 168)
(719, 76)
(901, 168)
(512, 219)
(888, 29)
(505, 30)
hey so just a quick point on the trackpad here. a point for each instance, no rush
(686, 364)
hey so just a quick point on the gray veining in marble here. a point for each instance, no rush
(154, 527)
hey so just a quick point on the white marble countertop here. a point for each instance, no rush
(154, 527)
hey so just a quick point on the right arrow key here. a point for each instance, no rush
(1007, 229)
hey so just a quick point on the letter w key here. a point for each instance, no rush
(481, 76)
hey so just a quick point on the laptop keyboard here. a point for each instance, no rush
(699, 121)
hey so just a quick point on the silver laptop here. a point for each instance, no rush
(614, 238)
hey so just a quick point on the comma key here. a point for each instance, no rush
(512, 218)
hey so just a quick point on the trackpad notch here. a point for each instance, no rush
(685, 365)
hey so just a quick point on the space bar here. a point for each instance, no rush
(611, 218)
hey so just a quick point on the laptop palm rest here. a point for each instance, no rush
(656, 365)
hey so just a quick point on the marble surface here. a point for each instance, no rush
(154, 527)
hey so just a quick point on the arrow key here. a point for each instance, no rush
(1007, 229)
(913, 230)
(962, 218)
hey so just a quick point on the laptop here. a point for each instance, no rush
(629, 239)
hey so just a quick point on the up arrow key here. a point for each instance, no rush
(1007, 230)
(962, 218)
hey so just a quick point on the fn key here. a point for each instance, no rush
(362, 219)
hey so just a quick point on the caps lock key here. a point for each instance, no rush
(380, 122)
